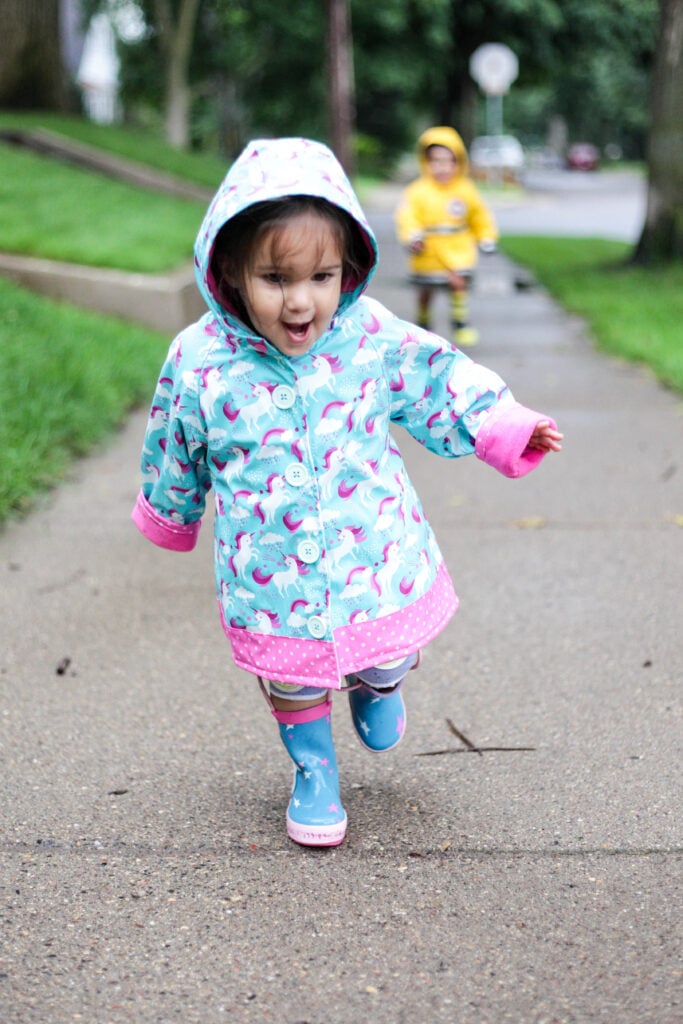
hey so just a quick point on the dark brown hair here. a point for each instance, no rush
(238, 239)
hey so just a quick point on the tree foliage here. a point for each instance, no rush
(258, 67)
(586, 61)
(604, 51)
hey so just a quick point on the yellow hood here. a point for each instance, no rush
(447, 137)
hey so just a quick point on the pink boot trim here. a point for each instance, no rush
(307, 715)
(316, 835)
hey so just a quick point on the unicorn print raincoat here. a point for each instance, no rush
(324, 561)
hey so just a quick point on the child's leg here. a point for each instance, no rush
(424, 302)
(377, 709)
(288, 697)
(315, 816)
(464, 334)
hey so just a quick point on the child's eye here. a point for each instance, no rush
(324, 275)
(273, 278)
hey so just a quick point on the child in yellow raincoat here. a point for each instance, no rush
(443, 221)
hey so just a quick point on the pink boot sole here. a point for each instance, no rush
(316, 835)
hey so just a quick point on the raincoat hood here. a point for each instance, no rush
(269, 169)
(449, 139)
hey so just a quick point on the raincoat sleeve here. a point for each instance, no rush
(408, 218)
(481, 221)
(452, 405)
(175, 476)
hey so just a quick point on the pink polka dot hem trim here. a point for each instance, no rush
(356, 646)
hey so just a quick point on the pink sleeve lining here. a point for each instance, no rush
(502, 440)
(164, 531)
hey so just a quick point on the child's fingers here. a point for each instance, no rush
(546, 438)
(544, 429)
(552, 443)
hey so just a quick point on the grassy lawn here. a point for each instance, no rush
(632, 312)
(56, 211)
(142, 146)
(69, 377)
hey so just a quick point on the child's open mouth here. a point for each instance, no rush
(298, 332)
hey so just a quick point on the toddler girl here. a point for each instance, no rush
(280, 400)
(443, 220)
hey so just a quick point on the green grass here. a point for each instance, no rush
(632, 312)
(56, 211)
(68, 378)
(142, 146)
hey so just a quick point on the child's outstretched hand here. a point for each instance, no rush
(545, 438)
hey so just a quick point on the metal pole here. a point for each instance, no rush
(494, 114)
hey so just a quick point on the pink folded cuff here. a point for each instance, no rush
(294, 717)
(164, 531)
(502, 441)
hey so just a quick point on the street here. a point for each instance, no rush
(600, 204)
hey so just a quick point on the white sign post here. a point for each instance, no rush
(494, 67)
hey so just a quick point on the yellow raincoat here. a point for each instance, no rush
(450, 219)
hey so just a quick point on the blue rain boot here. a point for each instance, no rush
(315, 816)
(377, 709)
(378, 716)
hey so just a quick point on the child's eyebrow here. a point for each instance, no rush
(272, 268)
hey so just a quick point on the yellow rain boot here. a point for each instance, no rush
(463, 334)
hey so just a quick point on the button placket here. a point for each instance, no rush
(298, 475)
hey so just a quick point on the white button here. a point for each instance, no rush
(296, 474)
(316, 626)
(308, 551)
(284, 397)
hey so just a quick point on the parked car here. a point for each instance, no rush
(583, 156)
(492, 154)
(543, 158)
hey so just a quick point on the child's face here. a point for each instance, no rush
(442, 164)
(293, 286)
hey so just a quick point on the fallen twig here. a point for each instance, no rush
(470, 750)
(469, 747)
(463, 739)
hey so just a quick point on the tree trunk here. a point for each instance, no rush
(662, 236)
(31, 70)
(340, 81)
(176, 46)
(458, 106)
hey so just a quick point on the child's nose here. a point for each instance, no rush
(298, 295)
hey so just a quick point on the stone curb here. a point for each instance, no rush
(165, 302)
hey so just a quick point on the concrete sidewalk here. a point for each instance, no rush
(145, 869)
